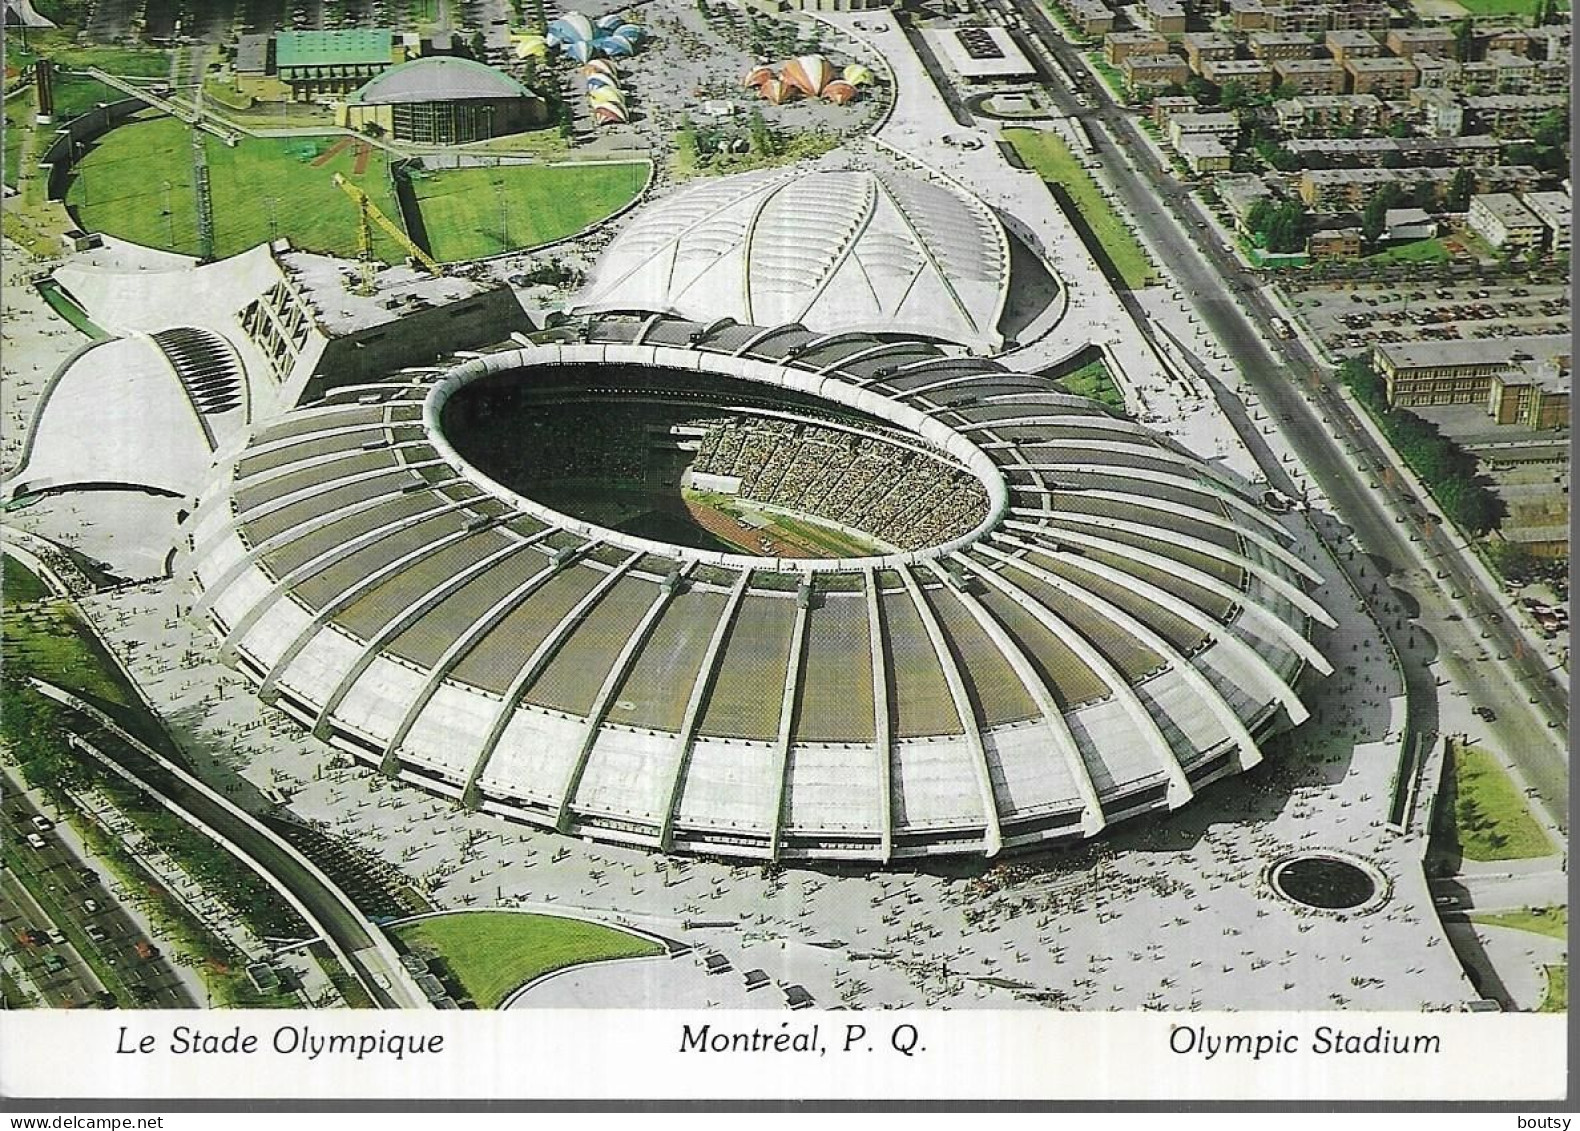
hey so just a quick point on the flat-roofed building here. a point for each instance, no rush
(1334, 243)
(1350, 43)
(1166, 17)
(1554, 209)
(1239, 195)
(1165, 106)
(1153, 72)
(1310, 76)
(1222, 124)
(1270, 46)
(1251, 74)
(1398, 152)
(1532, 393)
(325, 63)
(1549, 42)
(1501, 220)
(1204, 153)
(1503, 39)
(1317, 115)
(1120, 45)
(1247, 15)
(1202, 45)
(980, 53)
(1407, 42)
(1335, 190)
(1509, 115)
(1093, 17)
(1461, 371)
(1329, 15)
(1384, 76)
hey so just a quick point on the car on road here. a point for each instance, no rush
(91, 906)
(42, 823)
(36, 841)
(96, 933)
(54, 964)
(57, 936)
(1486, 713)
(149, 950)
(87, 875)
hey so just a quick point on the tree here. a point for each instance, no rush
(1374, 221)
(1286, 230)
(1233, 95)
(1552, 128)
(1465, 40)
(1459, 190)
(762, 138)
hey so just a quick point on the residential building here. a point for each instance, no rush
(1384, 76)
(1502, 39)
(1328, 15)
(1554, 210)
(1251, 74)
(1549, 42)
(1505, 223)
(1093, 17)
(1334, 243)
(1395, 152)
(1247, 15)
(1317, 115)
(1225, 126)
(1120, 45)
(1165, 106)
(1153, 72)
(1340, 190)
(1271, 46)
(1310, 76)
(1239, 195)
(1347, 44)
(1407, 42)
(1509, 115)
(1204, 153)
(1166, 17)
(1200, 45)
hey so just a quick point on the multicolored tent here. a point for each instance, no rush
(579, 38)
(808, 73)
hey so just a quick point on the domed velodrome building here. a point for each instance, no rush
(829, 249)
(758, 591)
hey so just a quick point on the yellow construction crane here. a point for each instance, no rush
(368, 214)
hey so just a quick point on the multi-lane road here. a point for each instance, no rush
(1481, 651)
(57, 913)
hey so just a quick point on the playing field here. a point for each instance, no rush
(136, 183)
(493, 953)
(469, 213)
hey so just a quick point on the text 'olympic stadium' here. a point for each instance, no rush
(758, 592)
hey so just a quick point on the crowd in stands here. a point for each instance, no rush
(901, 496)
(898, 494)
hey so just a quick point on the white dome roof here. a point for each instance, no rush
(831, 250)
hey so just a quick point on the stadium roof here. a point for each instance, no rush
(832, 250)
(439, 78)
(1124, 624)
(350, 47)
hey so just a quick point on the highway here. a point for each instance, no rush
(330, 909)
(1389, 522)
(52, 887)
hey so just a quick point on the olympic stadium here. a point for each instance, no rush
(825, 588)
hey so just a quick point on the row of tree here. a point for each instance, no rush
(1447, 469)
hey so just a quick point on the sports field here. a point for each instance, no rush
(136, 183)
(469, 213)
(1052, 160)
(493, 953)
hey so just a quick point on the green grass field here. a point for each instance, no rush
(18, 584)
(469, 213)
(1550, 921)
(1491, 820)
(18, 119)
(1051, 158)
(1422, 251)
(1093, 380)
(1557, 999)
(263, 186)
(493, 953)
(1522, 10)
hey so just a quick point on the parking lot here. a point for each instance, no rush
(1351, 318)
